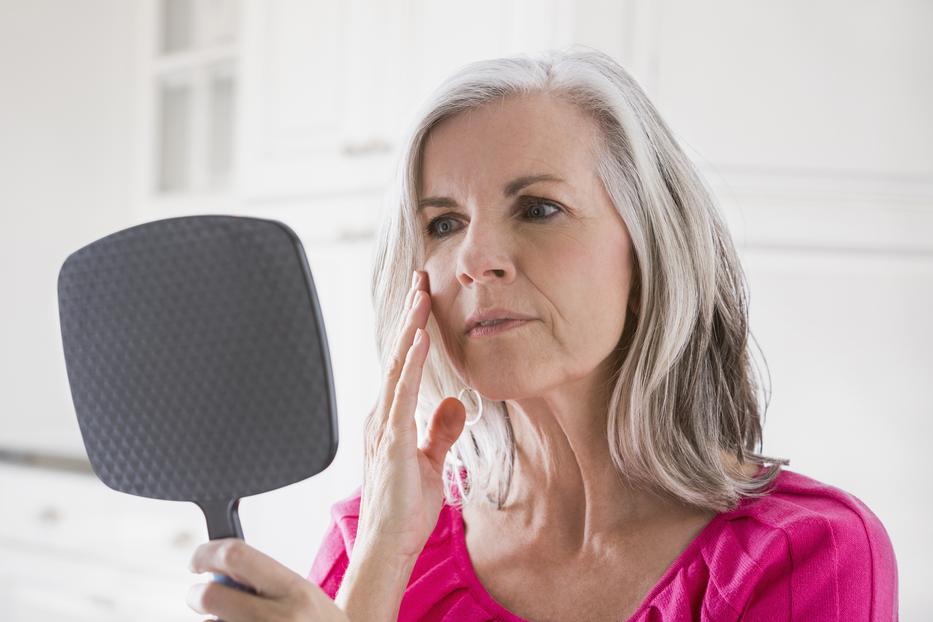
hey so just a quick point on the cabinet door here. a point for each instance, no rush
(73, 550)
(305, 131)
(330, 88)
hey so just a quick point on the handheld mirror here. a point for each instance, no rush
(198, 363)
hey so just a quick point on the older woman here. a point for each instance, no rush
(574, 284)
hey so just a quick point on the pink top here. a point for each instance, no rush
(806, 551)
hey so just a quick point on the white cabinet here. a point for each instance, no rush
(189, 86)
(306, 125)
(302, 104)
(330, 88)
(73, 550)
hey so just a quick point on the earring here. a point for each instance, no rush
(479, 400)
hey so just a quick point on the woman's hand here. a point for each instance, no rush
(401, 499)
(402, 491)
(281, 595)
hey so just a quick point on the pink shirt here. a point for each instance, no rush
(807, 551)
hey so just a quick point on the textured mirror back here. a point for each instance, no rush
(197, 358)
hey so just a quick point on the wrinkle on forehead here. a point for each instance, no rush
(518, 154)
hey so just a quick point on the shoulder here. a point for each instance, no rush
(807, 550)
(806, 513)
(345, 516)
(810, 517)
(333, 555)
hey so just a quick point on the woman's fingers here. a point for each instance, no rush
(413, 304)
(406, 390)
(282, 593)
(443, 430)
(415, 313)
(415, 277)
(230, 604)
(242, 563)
(416, 317)
(417, 310)
(306, 601)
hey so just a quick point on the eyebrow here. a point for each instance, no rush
(510, 189)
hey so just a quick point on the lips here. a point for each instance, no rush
(496, 328)
(497, 313)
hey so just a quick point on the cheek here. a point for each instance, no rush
(443, 289)
(589, 282)
(610, 290)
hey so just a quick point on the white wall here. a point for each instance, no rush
(66, 104)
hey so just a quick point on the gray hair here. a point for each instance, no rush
(685, 389)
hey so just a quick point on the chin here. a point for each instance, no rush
(500, 383)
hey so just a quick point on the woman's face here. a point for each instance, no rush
(556, 251)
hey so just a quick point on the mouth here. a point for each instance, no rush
(494, 317)
(495, 327)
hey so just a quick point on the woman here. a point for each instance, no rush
(572, 275)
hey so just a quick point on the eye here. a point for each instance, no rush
(537, 206)
(534, 207)
(439, 227)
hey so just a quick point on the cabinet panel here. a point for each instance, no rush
(301, 76)
(73, 549)
(298, 68)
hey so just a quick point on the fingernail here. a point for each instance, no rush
(414, 278)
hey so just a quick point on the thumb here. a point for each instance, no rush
(443, 430)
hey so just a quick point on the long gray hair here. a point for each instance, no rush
(686, 391)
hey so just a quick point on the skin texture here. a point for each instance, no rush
(572, 269)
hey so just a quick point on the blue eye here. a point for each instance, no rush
(436, 228)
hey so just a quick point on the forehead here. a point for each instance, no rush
(484, 147)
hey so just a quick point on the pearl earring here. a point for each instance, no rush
(479, 401)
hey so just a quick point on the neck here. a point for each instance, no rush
(565, 489)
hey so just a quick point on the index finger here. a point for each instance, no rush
(244, 564)
(415, 318)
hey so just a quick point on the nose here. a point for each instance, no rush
(484, 256)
